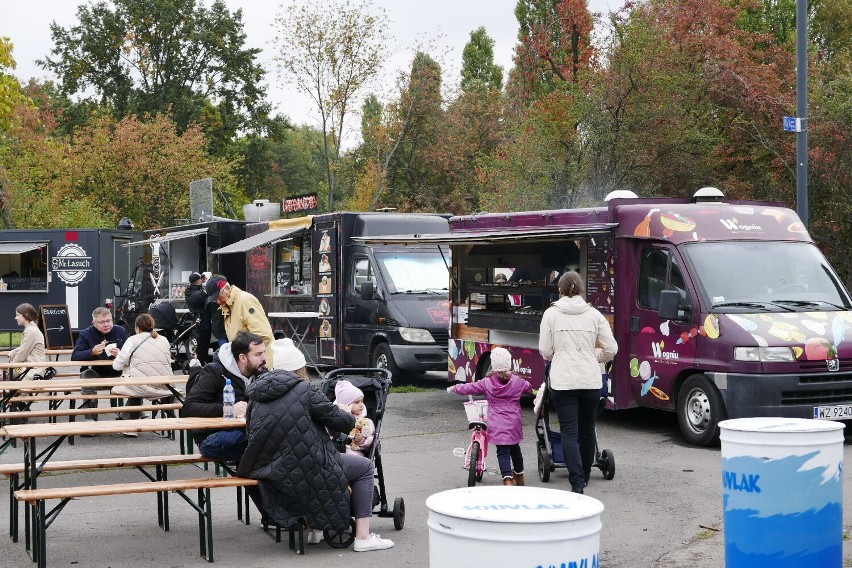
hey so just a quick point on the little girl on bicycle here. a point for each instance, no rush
(502, 390)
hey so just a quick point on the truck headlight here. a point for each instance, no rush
(415, 335)
(764, 354)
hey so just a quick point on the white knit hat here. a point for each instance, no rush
(286, 356)
(501, 360)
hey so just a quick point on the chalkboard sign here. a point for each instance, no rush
(56, 326)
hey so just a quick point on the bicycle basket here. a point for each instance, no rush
(476, 411)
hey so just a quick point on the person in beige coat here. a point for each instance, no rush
(242, 311)
(146, 354)
(31, 349)
(576, 338)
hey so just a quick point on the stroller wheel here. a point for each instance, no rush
(398, 513)
(340, 539)
(543, 465)
(607, 464)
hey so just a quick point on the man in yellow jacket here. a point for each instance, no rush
(242, 311)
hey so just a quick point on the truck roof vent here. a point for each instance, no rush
(262, 210)
(708, 194)
(621, 194)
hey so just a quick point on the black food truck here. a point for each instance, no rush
(73, 267)
(379, 305)
(169, 255)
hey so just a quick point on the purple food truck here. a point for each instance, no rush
(721, 309)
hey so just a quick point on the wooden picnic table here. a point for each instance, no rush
(49, 352)
(58, 364)
(35, 460)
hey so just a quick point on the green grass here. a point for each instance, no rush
(408, 388)
(9, 339)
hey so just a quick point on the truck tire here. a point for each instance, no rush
(383, 359)
(699, 410)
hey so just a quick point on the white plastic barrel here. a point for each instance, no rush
(782, 492)
(513, 527)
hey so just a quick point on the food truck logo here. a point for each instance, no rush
(734, 225)
(71, 264)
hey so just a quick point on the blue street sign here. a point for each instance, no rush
(792, 124)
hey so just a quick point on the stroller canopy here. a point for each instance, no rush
(164, 315)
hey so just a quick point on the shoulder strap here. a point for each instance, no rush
(137, 347)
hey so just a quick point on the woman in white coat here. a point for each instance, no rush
(146, 354)
(576, 338)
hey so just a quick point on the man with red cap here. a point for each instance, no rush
(242, 311)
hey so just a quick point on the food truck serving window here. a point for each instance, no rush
(292, 272)
(23, 266)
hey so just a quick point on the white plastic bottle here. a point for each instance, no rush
(228, 401)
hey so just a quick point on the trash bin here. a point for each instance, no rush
(782, 492)
(513, 526)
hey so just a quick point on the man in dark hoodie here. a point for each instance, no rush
(241, 360)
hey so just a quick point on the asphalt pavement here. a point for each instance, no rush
(663, 509)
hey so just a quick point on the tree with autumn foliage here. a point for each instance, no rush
(106, 170)
(330, 50)
(177, 57)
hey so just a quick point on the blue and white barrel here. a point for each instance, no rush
(782, 492)
(513, 527)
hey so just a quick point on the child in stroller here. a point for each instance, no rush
(374, 384)
(549, 445)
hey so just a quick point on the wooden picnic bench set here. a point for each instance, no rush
(23, 477)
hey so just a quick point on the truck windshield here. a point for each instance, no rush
(413, 272)
(775, 276)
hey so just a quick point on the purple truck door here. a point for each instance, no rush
(659, 348)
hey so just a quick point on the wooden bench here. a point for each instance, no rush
(86, 411)
(13, 472)
(43, 518)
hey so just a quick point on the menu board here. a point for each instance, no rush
(56, 325)
(326, 272)
(600, 274)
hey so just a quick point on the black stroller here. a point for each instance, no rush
(375, 384)
(549, 446)
(179, 331)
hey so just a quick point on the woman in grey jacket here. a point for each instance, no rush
(577, 339)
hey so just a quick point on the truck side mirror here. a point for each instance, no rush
(116, 284)
(367, 290)
(669, 303)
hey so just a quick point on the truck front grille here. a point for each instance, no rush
(442, 339)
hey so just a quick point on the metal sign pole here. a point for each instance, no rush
(802, 110)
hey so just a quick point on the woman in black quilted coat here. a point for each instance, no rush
(301, 473)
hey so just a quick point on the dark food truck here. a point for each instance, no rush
(721, 309)
(169, 255)
(74, 267)
(377, 305)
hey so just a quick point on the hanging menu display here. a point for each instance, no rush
(326, 272)
(600, 268)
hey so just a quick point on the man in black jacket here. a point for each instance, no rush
(241, 360)
(195, 295)
(196, 301)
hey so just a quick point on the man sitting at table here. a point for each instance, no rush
(240, 360)
(92, 345)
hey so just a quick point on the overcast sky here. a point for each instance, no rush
(445, 24)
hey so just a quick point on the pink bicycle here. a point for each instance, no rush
(477, 423)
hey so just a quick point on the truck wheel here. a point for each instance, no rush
(383, 359)
(699, 411)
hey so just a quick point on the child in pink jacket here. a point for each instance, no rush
(502, 390)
